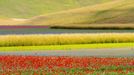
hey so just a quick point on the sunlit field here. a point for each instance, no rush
(64, 39)
(113, 12)
(67, 37)
(17, 9)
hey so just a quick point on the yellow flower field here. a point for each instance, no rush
(64, 39)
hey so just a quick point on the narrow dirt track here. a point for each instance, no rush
(115, 52)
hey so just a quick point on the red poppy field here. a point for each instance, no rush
(52, 65)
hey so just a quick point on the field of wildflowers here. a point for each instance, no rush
(52, 65)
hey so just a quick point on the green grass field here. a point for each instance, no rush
(68, 47)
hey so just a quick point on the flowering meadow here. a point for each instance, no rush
(61, 65)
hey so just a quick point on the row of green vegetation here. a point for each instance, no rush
(68, 47)
(94, 26)
(64, 39)
(106, 70)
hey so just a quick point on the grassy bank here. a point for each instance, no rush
(64, 39)
(68, 47)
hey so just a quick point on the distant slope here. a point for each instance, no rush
(30, 8)
(11, 21)
(118, 11)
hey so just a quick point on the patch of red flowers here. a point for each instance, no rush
(36, 62)
(13, 63)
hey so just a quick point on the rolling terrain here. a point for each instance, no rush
(30, 8)
(114, 12)
(14, 12)
(66, 37)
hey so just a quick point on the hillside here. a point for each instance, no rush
(118, 11)
(30, 8)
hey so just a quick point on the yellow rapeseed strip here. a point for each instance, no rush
(62, 39)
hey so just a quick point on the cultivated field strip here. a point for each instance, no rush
(64, 39)
(58, 31)
(94, 26)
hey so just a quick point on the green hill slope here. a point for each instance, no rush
(118, 11)
(30, 8)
